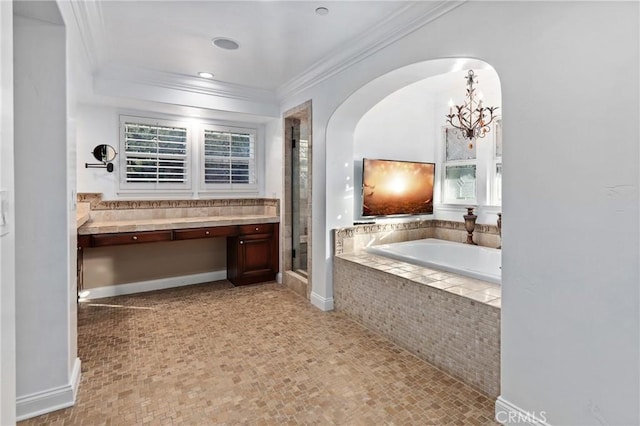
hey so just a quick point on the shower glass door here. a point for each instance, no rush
(300, 195)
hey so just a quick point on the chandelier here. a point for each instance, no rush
(471, 118)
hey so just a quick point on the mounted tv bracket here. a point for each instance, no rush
(105, 154)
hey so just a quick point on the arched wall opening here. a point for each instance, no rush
(358, 129)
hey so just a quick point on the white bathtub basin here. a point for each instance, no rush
(482, 263)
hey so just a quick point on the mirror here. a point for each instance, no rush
(104, 153)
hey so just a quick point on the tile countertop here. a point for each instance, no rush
(82, 212)
(480, 291)
(138, 225)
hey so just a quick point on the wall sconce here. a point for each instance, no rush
(105, 154)
(471, 117)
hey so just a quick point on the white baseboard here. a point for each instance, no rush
(279, 277)
(159, 284)
(322, 303)
(509, 414)
(49, 400)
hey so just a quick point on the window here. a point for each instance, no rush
(162, 157)
(459, 168)
(229, 157)
(472, 175)
(154, 154)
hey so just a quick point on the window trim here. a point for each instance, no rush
(443, 173)
(125, 187)
(195, 146)
(244, 188)
(485, 162)
(494, 200)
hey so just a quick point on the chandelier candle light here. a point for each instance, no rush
(471, 118)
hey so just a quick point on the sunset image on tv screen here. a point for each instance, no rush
(397, 187)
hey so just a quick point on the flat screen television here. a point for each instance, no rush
(397, 187)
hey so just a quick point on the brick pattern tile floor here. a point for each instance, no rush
(259, 355)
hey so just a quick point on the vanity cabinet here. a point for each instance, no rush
(252, 255)
(252, 250)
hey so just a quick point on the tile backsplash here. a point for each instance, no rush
(102, 210)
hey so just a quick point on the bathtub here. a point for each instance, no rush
(482, 263)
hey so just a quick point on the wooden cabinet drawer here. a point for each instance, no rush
(84, 241)
(100, 240)
(262, 228)
(212, 232)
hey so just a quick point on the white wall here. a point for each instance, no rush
(7, 242)
(100, 124)
(274, 157)
(570, 330)
(408, 125)
(274, 171)
(96, 125)
(399, 127)
(47, 367)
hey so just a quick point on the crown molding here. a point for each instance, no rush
(396, 26)
(184, 90)
(185, 83)
(90, 23)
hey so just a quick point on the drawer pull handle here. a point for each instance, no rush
(257, 229)
(206, 233)
(241, 242)
(134, 237)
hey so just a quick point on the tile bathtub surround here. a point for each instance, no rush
(356, 238)
(214, 354)
(451, 321)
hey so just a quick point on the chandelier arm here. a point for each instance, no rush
(491, 118)
(477, 122)
(457, 127)
(464, 121)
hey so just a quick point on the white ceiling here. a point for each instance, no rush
(285, 46)
(278, 40)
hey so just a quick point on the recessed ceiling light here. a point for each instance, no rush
(205, 74)
(225, 43)
(322, 11)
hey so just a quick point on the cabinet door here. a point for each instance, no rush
(254, 256)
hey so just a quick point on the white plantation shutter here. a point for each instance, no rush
(155, 153)
(229, 157)
(160, 156)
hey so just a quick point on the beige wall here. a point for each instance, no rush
(106, 266)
